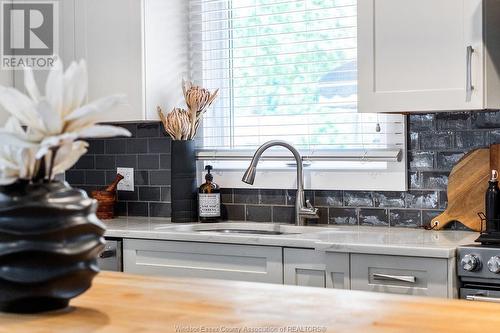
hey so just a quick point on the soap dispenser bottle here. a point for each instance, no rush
(209, 209)
(492, 202)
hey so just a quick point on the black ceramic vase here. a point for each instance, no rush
(50, 238)
(183, 191)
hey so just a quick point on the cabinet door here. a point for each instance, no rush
(108, 34)
(313, 268)
(413, 55)
(203, 260)
(66, 42)
(400, 275)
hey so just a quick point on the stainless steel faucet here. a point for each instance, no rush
(303, 208)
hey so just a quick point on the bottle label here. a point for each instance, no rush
(209, 204)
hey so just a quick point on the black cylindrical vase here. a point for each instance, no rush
(183, 191)
(50, 238)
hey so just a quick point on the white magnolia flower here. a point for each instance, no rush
(68, 154)
(16, 161)
(55, 120)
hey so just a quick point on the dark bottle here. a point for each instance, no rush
(492, 202)
(209, 199)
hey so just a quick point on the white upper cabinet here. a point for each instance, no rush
(66, 44)
(134, 47)
(428, 55)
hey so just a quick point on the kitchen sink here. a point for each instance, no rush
(245, 231)
(251, 228)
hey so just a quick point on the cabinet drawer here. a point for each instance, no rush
(400, 275)
(205, 260)
(313, 268)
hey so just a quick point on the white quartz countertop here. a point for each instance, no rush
(352, 239)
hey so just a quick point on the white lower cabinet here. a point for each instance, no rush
(400, 275)
(203, 260)
(311, 268)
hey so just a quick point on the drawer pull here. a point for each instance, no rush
(480, 298)
(469, 87)
(107, 254)
(403, 278)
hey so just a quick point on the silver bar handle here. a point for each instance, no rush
(402, 278)
(481, 298)
(469, 86)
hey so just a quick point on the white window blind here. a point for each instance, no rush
(287, 70)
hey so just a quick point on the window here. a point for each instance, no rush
(287, 70)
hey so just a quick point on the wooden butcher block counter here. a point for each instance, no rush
(124, 303)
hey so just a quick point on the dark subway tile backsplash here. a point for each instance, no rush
(136, 146)
(159, 177)
(149, 162)
(258, 213)
(343, 216)
(246, 196)
(435, 144)
(96, 147)
(75, 176)
(421, 160)
(148, 130)
(115, 146)
(160, 209)
(95, 177)
(389, 199)
(446, 160)
(273, 197)
(127, 161)
(409, 218)
(328, 198)
(135, 208)
(149, 193)
(358, 199)
(148, 152)
(283, 214)
(373, 217)
(105, 162)
(86, 162)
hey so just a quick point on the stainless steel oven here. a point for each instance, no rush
(110, 259)
(480, 293)
(479, 273)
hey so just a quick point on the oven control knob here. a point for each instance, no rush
(470, 262)
(494, 264)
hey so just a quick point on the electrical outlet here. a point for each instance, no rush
(127, 183)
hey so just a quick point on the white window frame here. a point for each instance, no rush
(381, 172)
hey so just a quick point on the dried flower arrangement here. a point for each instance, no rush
(42, 136)
(181, 124)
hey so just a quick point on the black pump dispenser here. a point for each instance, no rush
(208, 176)
(209, 204)
(492, 202)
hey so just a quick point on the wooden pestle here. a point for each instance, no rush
(112, 187)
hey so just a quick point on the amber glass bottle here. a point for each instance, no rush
(209, 199)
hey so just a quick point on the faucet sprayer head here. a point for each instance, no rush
(249, 176)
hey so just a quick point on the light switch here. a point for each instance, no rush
(127, 183)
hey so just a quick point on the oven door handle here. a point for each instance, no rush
(482, 298)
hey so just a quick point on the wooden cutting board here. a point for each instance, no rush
(467, 185)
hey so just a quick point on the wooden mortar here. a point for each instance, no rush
(107, 199)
